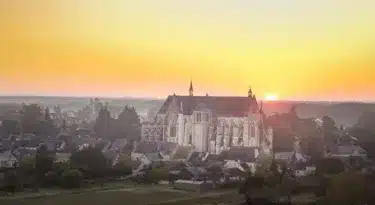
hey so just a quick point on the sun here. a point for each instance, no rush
(271, 97)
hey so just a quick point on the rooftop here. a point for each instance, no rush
(220, 105)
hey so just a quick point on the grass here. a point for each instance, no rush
(228, 197)
(134, 196)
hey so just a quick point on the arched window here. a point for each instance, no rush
(199, 117)
(205, 117)
(252, 131)
(173, 131)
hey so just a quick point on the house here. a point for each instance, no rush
(118, 144)
(305, 171)
(343, 151)
(6, 144)
(181, 153)
(291, 157)
(7, 159)
(242, 158)
(196, 158)
(142, 148)
(62, 157)
(103, 145)
(168, 149)
(164, 149)
(22, 153)
(194, 173)
(32, 144)
(234, 174)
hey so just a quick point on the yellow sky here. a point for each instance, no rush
(321, 49)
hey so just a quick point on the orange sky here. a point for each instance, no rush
(322, 50)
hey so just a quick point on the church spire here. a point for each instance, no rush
(191, 88)
(250, 92)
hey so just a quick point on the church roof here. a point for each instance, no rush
(243, 154)
(219, 105)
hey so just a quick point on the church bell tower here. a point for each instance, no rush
(191, 88)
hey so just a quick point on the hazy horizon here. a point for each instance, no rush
(163, 98)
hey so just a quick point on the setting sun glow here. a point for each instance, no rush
(304, 50)
(271, 97)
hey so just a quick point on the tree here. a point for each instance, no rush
(91, 162)
(31, 116)
(287, 187)
(128, 124)
(48, 127)
(26, 171)
(158, 174)
(43, 163)
(72, 179)
(312, 146)
(329, 129)
(347, 189)
(60, 167)
(329, 166)
(215, 174)
(9, 127)
(51, 178)
(367, 121)
(256, 190)
(364, 131)
(263, 166)
(121, 169)
(10, 183)
(102, 124)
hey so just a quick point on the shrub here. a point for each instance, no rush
(72, 179)
(120, 169)
(51, 178)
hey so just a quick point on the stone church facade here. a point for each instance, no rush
(211, 123)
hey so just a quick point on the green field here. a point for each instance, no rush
(133, 196)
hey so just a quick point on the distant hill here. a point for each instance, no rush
(345, 113)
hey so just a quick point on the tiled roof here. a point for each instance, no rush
(23, 152)
(234, 172)
(153, 156)
(220, 106)
(167, 147)
(182, 152)
(284, 155)
(346, 150)
(51, 145)
(153, 147)
(118, 144)
(6, 144)
(146, 147)
(196, 158)
(212, 157)
(110, 155)
(28, 143)
(243, 154)
(197, 172)
(101, 144)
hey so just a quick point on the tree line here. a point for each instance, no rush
(88, 165)
(32, 119)
(289, 125)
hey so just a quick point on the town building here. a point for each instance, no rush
(211, 124)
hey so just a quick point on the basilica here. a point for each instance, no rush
(211, 124)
